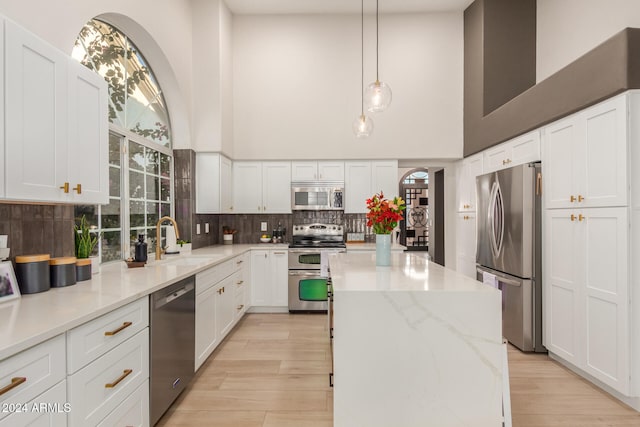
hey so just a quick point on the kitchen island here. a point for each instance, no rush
(415, 344)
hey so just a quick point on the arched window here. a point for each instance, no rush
(140, 156)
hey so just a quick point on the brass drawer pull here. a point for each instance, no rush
(239, 262)
(115, 331)
(572, 199)
(65, 187)
(240, 307)
(15, 382)
(580, 217)
(219, 291)
(78, 188)
(124, 375)
(239, 282)
(580, 198)
(573, 217)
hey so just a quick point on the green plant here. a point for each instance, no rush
(183, 242)
(85, 241)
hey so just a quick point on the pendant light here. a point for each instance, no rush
(363, 125)
(378, 94)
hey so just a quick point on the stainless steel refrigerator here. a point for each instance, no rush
(508, 254)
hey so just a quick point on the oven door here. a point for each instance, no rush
(305, 259)
(307, 291)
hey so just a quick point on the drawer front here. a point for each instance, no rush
(239, 262)
(133, 412)
(208, 278)
(239, 307)
(238, 282)
(49, 409)
(97, 389)
(93, 339)
(41, 367)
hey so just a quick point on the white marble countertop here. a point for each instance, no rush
(410, 271)
(35, 318)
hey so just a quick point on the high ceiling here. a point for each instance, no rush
(343, 6)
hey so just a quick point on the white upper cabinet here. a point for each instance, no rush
(262, 187)
(584, 157)
(466, 172)
(88, 136)
(364, 178)
(2, 132)
(317, 171)
(36, 117)
(522, 149)
(56, 124)
(213, 183)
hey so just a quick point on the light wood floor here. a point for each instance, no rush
(272, 370)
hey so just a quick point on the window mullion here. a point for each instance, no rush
(125, 225)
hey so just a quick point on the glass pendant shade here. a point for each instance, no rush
(363, 126)
(377, 97)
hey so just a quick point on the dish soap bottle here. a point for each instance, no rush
(141, 249)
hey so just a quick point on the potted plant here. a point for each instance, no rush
(227, 235)
(185, 246)
(85, 242)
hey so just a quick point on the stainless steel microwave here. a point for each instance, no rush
(317, 196)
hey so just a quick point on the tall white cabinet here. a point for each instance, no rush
(466, 172)
(589, 294)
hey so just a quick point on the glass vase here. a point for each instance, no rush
(383, 250)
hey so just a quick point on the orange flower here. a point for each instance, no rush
(384, 214)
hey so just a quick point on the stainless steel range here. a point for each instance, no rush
(308, 269)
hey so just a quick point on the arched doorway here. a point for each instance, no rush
(414, 229)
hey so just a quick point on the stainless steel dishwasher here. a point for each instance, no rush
(172, 344)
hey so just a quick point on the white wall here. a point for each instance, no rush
(297, 86)
(212, 77)
(567, 29)
(160, 28)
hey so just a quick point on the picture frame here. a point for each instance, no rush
(9, 289)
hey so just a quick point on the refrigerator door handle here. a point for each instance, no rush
(500, 278)
(496, 219)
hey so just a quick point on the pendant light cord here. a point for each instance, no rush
(362, 58)
(377, 54)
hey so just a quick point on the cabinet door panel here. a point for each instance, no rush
(36, 117)
(604, 179)
(466, 244)
(559, 163)
(279, 276)
(260, 274)
(304, 171)
(208, 182)
(226, 185)
(276, 187)
(561, 284)
(88, 135)
(247, 187)
(225, 310)
(384, 177)
(606, 289)
(525, 148)
(331, 171)
(206, 331)
(357, 186)
(495, 158)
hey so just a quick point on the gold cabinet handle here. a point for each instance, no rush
(240, 307)
(239, 262)
(219, 291)
(465, 217)
(239, 282)
(580, 217)
(572, 199)
(65, 187)
(231, 208)
(124, 375)
(15, 382)
(115, 331)
(539, 184)
(580, 198)
(78, 188)
(573, 217)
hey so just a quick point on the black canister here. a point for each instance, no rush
(62, 271)
(83, 269)
(141, 249)
(32, 272)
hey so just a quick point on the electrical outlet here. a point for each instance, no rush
(197, 228)
(206, 227)
(263, 226)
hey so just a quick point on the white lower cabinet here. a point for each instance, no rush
(47, 410)
(466, 243)
(216, 309)
(29, 374)
(133, 412)
(269, 279)
(100, 387)
(586, 291)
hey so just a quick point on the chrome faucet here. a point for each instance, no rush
(159, 250)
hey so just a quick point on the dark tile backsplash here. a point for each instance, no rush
(38, 229)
